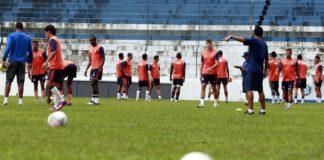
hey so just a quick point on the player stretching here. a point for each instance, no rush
(55, 64)
(37, 71)
(155, 70)
(70, 71)
(255, 71)
(274, 77)
(222, 75)
(301, 83)
(289, 68)
(177, 75)
(318, 77)
(144, 78)
(96, 61)
(208, 72)
(120, 74)
(127, 80)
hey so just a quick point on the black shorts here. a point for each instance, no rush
(95, 74)
(156, 82)
(211, 78)
(127, 80)
(177, 82)
(39, 77)
(274, 85)
(254, 81)
(301, 83)
(16, 69)
(120, 80)
(70, 71)
(55, 75)
(319, 84)
(143, 83)
(224, 81)
(285, 85)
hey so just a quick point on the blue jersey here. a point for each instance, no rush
(19, 48)
(258, 52)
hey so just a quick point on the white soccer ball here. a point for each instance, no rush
(57, 119)
(196, 156)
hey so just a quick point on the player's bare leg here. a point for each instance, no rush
(202, 95)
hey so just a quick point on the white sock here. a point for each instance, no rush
(202, 101)
(55, 100)
(92, 98)
(160, 97)
(318, 100)
(250, 110)
(216, 101)
(96, 100)
(118, 95)
(57, 93)
(137, 94)
(263, 110)
(147, 94)
(124, 96)
(295, 100)
(5, 100)
(273, 99)
(278, 99)
(302, 101)
(20, 101)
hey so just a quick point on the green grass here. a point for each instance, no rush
(129, 130)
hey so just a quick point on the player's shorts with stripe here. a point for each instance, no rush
(254, 81)
(177, 82)
(55, 75)
(39, 77)
(143, 83)
(95, 74)
(224, 81)
(70, 71)
(209, 78)
(285, 85)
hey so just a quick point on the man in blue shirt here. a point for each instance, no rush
(19, 50)
(255, 71)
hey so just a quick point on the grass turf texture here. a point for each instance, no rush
(156, 130)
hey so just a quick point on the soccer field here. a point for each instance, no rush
(129, 130)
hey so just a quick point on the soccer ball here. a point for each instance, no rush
(57, 119)
(196, 156)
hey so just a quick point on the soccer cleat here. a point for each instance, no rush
(4, 104)
(95, 103)
(248, 113)
(61, 104)
(200, 106)
(171, 99)
(90, 102)
(52, 109)
(215, 105)
(262, 113)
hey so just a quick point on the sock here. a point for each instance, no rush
(160, 97)
(263, 110)
(273, 99)
(302, 100)
(69, 98)
(147, 94)
(20, 101)
(250, 110)
(318, 100)
(278, 99)
(56, 93)
(55, 101)
(5, 100)
(215, 101)
(202, 101)
(118, 95)
(124, 96)
(92, 98)
(137, 94)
